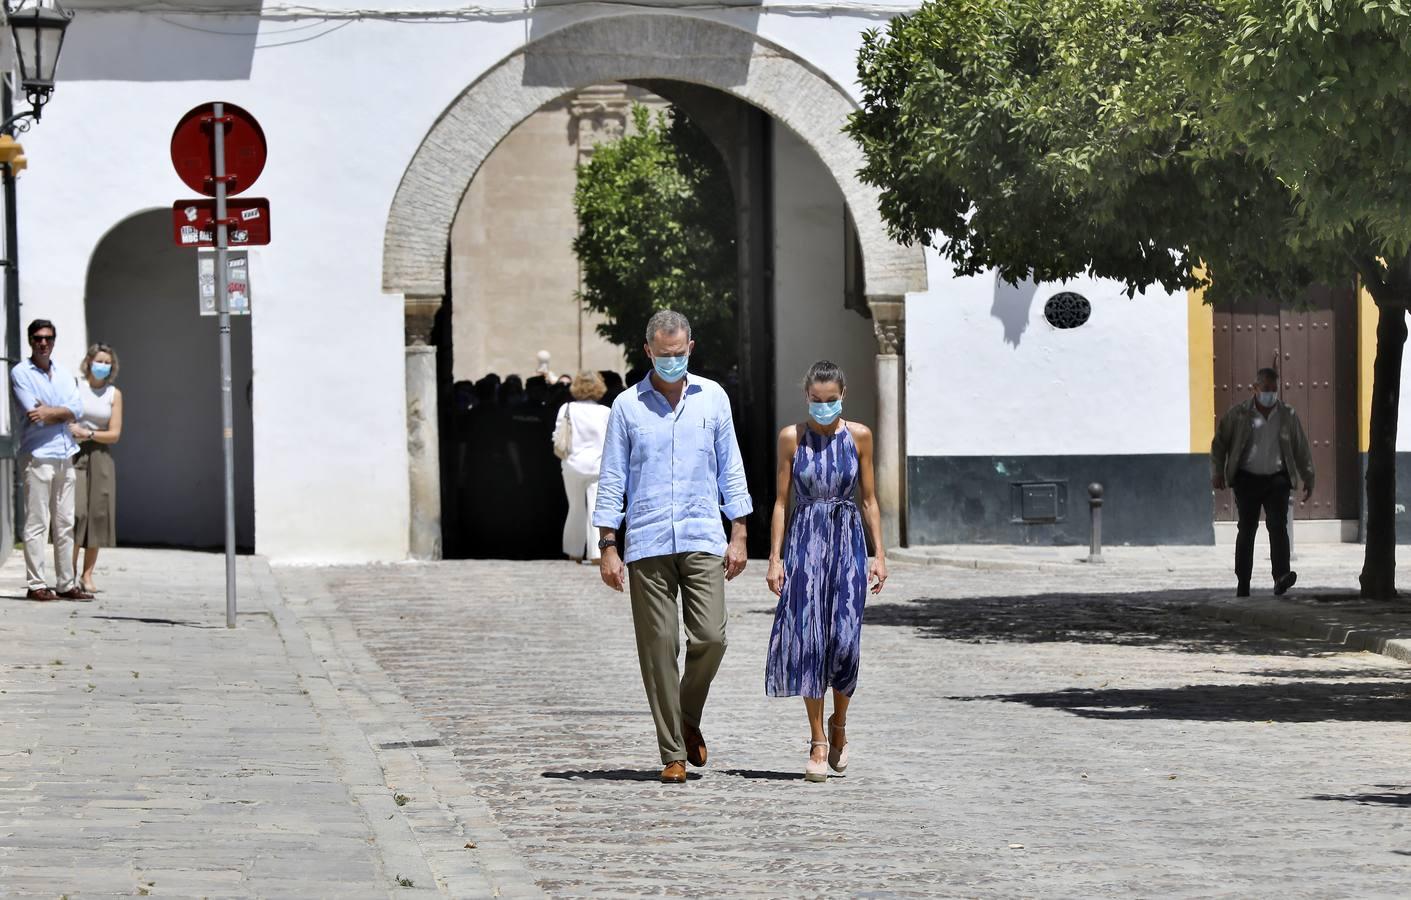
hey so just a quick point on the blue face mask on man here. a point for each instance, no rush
(826, 413)
(671, 369)
(101, 371)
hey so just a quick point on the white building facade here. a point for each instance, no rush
(990, 420)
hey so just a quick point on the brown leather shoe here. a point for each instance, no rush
(696, 753)
(674, 773)
(76, 593)
(43, 595)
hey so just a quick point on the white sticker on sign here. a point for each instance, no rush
(191, 213)
(190, 235)
(248, 214)
(237, 284)
(206, 283)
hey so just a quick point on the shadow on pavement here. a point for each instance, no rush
(1387, 798)
(611, 775)
(156, 621)
(1389, 674)
(1156, 619)
(763, 775)
(1307, 701)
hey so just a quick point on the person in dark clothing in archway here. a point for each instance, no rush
(613, 382)
(512, 395)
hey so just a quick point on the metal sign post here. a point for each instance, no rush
(227, 405)
(206, 164)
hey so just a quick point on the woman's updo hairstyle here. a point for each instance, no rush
(824, 372)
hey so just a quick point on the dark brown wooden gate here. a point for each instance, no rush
(1315, 351)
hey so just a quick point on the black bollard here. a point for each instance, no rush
(1095, 508)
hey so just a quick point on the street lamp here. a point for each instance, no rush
(39, 38)
(38, 33)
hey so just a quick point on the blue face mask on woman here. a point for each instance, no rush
(826, 413)
(101, 371)
(671, 369)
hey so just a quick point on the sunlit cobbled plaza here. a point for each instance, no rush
(751, 448)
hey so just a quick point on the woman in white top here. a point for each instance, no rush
(95, 485)
(587, 421)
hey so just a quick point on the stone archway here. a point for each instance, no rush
(630, 48)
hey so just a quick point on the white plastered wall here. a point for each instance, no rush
(988, 375)
(810, 322)
(344, 109)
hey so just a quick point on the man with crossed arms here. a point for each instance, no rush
(48, 398)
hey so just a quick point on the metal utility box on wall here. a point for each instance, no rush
(1038, 502)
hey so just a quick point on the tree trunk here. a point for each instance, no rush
(1379, 565)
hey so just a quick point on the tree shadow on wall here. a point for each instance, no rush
(1160, 620)
(1013, 306)
(1304, 701)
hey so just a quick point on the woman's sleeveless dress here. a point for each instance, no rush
(96, 480)
(818, 624)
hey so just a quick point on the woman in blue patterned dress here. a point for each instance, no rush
(820, 573)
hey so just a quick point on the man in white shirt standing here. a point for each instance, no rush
(48, 399)
(1261, 451)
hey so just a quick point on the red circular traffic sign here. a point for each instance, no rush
(193, 149)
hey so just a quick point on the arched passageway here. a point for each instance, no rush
(639, 48)
(141, 298)
(789, 298)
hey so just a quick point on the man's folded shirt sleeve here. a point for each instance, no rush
(730, 470)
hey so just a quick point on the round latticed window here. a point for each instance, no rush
(1067, 310)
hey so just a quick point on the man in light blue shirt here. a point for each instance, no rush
(671, 467)
(47, 401)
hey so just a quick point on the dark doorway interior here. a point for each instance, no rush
(1314, 350)
(142, 299)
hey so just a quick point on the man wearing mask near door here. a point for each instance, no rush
(671, 466)
(1260, 450)
(47, 397)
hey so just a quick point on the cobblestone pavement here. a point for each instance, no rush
(147, 750)
(1014, 734)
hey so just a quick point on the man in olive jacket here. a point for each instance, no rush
(1260, 450)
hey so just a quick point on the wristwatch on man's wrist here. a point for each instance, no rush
(606, 543)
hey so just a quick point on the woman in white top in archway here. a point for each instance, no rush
(586, 421)
(95, 488)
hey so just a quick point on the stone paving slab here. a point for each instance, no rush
(146, 750)
(1016, 733)
(456, 831)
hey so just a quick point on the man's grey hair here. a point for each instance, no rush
(667, 322)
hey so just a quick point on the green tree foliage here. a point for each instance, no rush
(1253, 147)
(656, 219)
